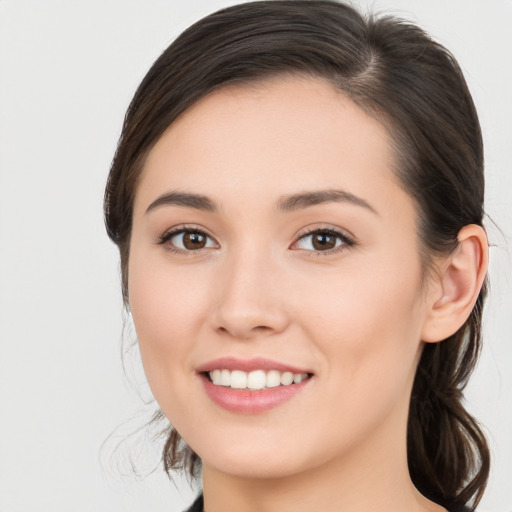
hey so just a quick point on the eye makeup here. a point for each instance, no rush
(187, 239)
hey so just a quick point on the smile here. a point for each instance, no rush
(254, 380)
(252, 386)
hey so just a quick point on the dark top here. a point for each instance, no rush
(197, 506)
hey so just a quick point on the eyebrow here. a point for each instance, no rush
(307, 199)
(289, 203)
(197, 201)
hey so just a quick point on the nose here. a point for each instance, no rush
(250, 299)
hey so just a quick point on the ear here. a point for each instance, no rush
(456, 285)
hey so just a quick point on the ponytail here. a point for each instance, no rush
(448, 455)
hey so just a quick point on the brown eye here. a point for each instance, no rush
(323, 241)
(187, 240)
(194, 240)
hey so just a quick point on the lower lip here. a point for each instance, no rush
(251, 402)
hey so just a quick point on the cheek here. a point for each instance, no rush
(369, 321)
(367, 332)
(164, 299)
(166, 308)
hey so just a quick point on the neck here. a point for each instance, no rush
(372, 478)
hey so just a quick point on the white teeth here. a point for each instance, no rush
(255, 380)
(273, 379)
(238, 379)
(225, 378)
(286, 378)
(216, 376)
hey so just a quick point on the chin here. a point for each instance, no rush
(254, 457)
(257, 467)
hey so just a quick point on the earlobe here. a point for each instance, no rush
(459, 281)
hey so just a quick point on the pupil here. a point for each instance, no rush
(324, 241)
(194, 240)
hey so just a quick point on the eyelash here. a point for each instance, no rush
(167, 236)
(346, 240)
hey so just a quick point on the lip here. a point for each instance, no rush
(251, 402)
(248, 365)
(245, 401)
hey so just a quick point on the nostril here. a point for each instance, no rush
(243, 333)
(262, 328)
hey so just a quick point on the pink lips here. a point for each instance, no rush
(245, 401)
(248, 365)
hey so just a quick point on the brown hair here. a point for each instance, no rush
(394, 71)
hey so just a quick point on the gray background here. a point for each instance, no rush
(67, 72)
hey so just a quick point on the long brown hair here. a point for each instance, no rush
(396, 72)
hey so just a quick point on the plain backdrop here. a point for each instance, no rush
(68, 70)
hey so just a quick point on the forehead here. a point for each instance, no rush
(282, 135)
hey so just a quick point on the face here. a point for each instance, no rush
(272, 243)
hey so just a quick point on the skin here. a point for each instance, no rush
(354, 316)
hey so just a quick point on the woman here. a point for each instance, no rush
(297, 197)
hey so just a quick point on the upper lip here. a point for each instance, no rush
(248, 365)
